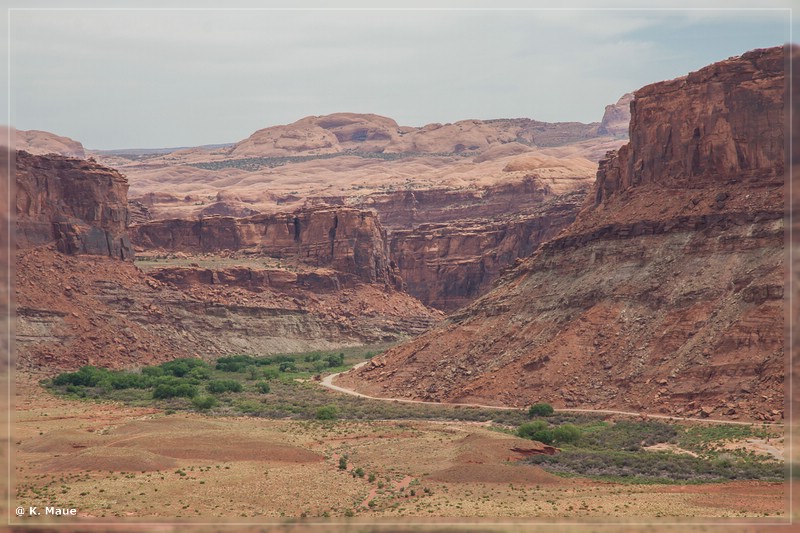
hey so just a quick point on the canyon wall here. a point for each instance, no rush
(345, 239)
(77, 303)
(78, 205)
(449, 264)
(666, 293)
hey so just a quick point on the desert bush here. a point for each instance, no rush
(287, 366)
(181, 367)
(335, 360)
(327, 412)
(87, 376)
(271, 373)
(540, 409)
(218, 386)
(652, 467)
(262, 387)
(153, 371)
(199, 373)
(629, 436)
(175, 390)
(536, 430)
(127, 380)
(566, 434)
(204, 402)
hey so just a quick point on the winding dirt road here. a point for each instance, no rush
(327, 382)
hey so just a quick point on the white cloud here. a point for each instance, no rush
(150, 78)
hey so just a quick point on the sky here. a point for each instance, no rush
(149, 78)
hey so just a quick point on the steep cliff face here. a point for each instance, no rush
(78, 205)
(345, 239)
(448, 265)
(665, 295)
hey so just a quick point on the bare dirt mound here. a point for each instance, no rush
(484, 459)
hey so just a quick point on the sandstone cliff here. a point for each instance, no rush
(78, 205)
(665, 295)
(617, 117)
(78, 304)
(449, 264)
(345, 239)
(43, 143)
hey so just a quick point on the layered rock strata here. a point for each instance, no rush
(665, 295)
(78, 205)
(345, 239)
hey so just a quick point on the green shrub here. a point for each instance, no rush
(153, 371)
(629, 436)
(536, 430)
(335, 360)
(566, 434)
(287, 366)
(235, 363)
(87, 376)
(271, 373)
(327, 412)
(343, 462)
(181, 367)
(165, 390)
(541, 409)
(262, 387)
(204, 402)
(200, 373)
(224, 385)
(127, 380)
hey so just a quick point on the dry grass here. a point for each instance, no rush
(119, 462)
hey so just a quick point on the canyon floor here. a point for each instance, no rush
(111, 461)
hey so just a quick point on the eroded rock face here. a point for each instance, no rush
(665, 295)
(79, 205)
(617, 117)
(448, 265)
(725, 121)
(345, 239)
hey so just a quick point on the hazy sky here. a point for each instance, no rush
(158, 78)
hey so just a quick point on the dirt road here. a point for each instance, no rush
(327, 381)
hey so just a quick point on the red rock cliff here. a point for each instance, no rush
(78, 205)
(725, 121)
(348, 240)
(665, 295)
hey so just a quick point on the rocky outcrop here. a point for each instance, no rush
(345, 239)
(368, 133)
(78, 205)
(716, 124)
(410, 208)
(79, 310)
(43, 143)
(666, 293)
(617, 117)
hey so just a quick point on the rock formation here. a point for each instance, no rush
(448, 264)
(78, 205)
(345, 239)
(80, 299)
(617, 117)
(665, 295)
(43, 143)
